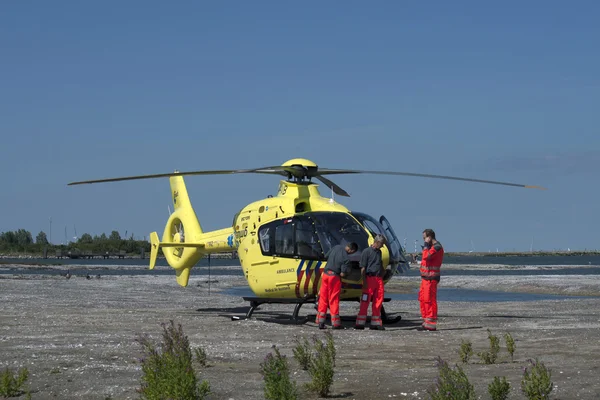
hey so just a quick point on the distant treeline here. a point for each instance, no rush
(21, 241)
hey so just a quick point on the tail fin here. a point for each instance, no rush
(180, 240)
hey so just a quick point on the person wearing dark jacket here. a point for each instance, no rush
(338, 266)
(372, 270)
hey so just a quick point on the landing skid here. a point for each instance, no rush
(255, 302)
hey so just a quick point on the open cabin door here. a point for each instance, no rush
(397, 253)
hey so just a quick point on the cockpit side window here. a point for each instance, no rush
(284, 239)
(264, 235)
(291, 237)
(311, 235)
(307, 244)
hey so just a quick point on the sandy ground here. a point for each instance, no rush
(76, 336)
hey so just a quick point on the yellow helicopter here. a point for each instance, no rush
(281, 241)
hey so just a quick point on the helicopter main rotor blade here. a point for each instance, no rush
(266, 170)
(300, 171)
(336, 189)
(327, 171)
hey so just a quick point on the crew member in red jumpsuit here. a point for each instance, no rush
(372, 270)
(338, 265)
(431, 263)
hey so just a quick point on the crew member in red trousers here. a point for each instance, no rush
(338, 265)
(371, 268)
(431, 263)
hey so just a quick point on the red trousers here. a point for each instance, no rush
(373, 292)
(329, 297)
(428, 300)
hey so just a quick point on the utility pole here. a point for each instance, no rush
(50, 219)
(531, 247)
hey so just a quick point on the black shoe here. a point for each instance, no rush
(377, 328)
(338, 327)
(322, 326)
(359, 327)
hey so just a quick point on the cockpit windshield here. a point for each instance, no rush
(335, 228)
(382, 227)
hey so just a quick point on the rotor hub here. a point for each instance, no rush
(300, 168)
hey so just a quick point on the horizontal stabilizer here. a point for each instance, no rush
(183, 244)
(155, 244)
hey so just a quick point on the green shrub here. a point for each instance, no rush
(167, 370)
(510, 345)
(466, 351)
(499, 388)
(490, 357)
(13, 385)
(276, 374)
(200, 356)
(302, 353)
(452, 384)
(321, 366)
(537, 381)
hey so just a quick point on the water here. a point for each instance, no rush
(524, 260)
(140, 267)
(502, 272)
(593, 260)
(448, 294)
(215, 270)
(160, 262)
(82, 271)
(162, 268)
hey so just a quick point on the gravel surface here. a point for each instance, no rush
(76, 336)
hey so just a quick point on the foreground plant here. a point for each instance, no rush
(490, 357)
(200, 356)
(13, 385)
(321, 365)
(466, 351)
(536, 383)
(167, 371)
(452, 384)
(276, 375)
(302, 353)
(499, 389)
(510, 345)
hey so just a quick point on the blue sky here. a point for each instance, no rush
(494, 91)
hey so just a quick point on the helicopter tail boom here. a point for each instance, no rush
(183, 241)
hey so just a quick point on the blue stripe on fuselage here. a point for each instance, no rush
(299, 268)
